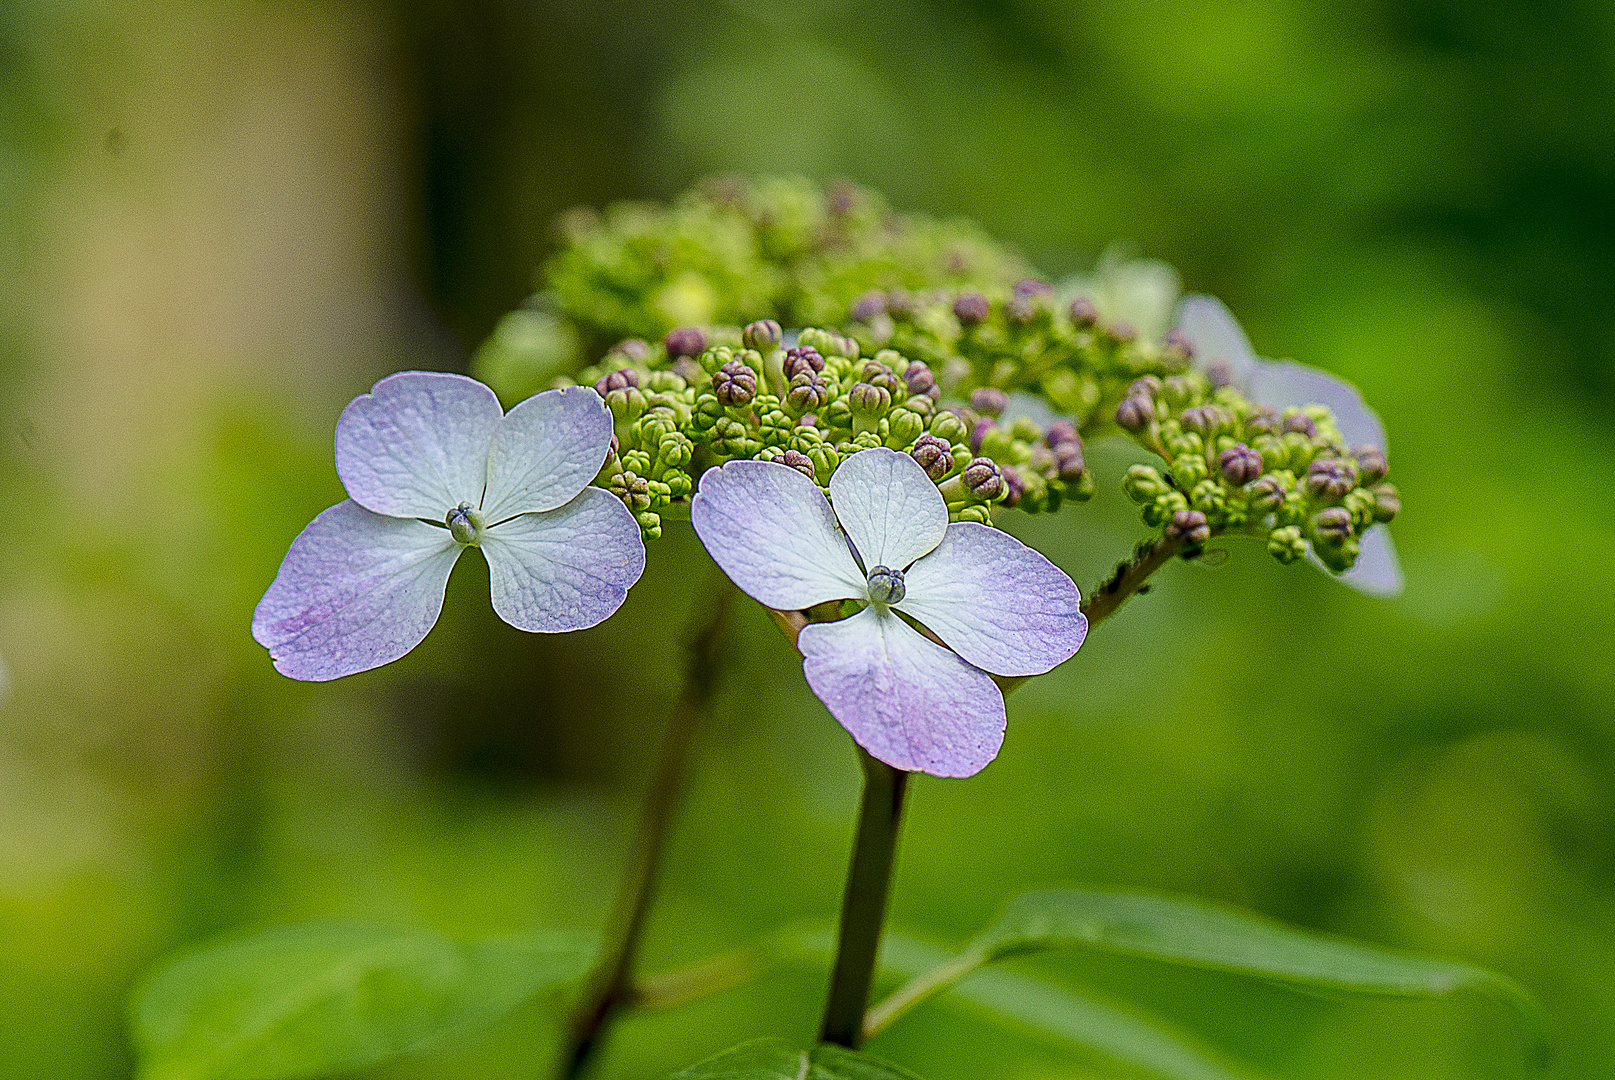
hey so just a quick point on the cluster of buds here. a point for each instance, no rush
(1020, 338)
(1235, 466)
(704, 397)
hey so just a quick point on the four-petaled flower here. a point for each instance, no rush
(1000, 606)
(432, 465)
(1222, 350)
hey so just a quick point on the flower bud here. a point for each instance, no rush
(948, 426)
(1061, 431)
(802, 358)
(1286, 544)
(878, 374)
(869, 305)
(1083, 313)
(621, 379)
(919, 380)
(734, 384)
(1371, 463)
(465, 524)
(989, 400)
(1207, 496)
(685, 341)
(971, 308)
(1188, 470)
(825, 460)
(982, 479)
(764, 335)
(1332, 525)
(1014, 486)
(631, 349)
(869, 400)
(1135, 413)
(1190, 527)
(1330, 478)
(1121, 331)
(979, 431)
(903, 426)
(807, 393)
(934, 455)
(1302, 423)
(1263, 421)
(1179, 342)
(1266, 494)
(1387, 503)
(1068, 461)
(800, 462)
(1240, 464)
(886, 585)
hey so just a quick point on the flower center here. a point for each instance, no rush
(886, 585)
(465, 524)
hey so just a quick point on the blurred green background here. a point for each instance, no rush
(220, 221)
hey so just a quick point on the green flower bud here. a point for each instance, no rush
(632, 489)
(1371, 463)
(1360, 504)
(1275, 455)
(807, 393)
(1183, 443)
(1207, 497)
(886, 585)
(903, 427)
(1387, 502)
(465, 525)
(1144, 484)
(869, 402)
(650, 524)
(1286, 545)
(763, 335)
(999, 444)
(679, 485)
(1160, 511)
(627, 404)
(949, 427)
(825, 462)
(1332, 525)
(804, 438)
(636, 461)
(1267, 493)
(976, 512)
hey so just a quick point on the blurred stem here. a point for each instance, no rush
(863, 908)
(1128, 578)
(609, 985)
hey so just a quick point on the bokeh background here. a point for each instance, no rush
(219, 221)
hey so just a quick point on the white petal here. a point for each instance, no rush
(564, 569)
(1285, 383)
(771, 530)
(1377, 571)
(356, 590)
(1217, 338)
(996, 602)
(888, 507)
(417, 444)
(546, 450)
(904, 698)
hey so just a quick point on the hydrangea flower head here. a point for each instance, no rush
(1222, 350)
(1000, 606)
(432, 465)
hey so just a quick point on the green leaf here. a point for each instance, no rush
(1200, 933)
(1145, 1044)
(318, 998)
(776, 1059)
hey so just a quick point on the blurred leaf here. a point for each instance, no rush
(319, 998)
(1183, 930)
(1143, 1043)
(777, 1059)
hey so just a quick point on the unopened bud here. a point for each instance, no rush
(621, 379)
(1330, 478)
(1061, 431)
(1264, 421)
(919, 380)
(800, 358)
(1135, 413)
(764, 335)
(869, 400)
(949, 426)
(1267, 494)
(989, 400)
(1030, 286)
(1190, 527)
(886, 585)
(1179, 342)
(807, 393)
(1120, 331)
(1286, 544)
(934, 455)
(1014, 486)
(465, 524)
(1068, 461)
(979, 432)
(1387, 502)
(1371, 463)
(982, 479)
(1302, 423)
(734, 384)
(685, 341)
(631, 349)
(1332, 525)
(971, 308)
(1083, 313)
(1240, 464)
(869, 305)
(798, 461)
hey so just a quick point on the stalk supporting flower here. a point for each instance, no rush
(610, 983)
(863, 908)
(432, 465)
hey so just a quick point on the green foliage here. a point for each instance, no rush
(776, 1059)
(318, 998)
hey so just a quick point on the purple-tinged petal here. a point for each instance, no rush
(356, 590)
(1377, 571)
(888, 507)
(770, 529)
(904, 698)
(564, 569)
(546, 450)
(996, 602)
(1217, 338)
(1284, 384)
(417, 444)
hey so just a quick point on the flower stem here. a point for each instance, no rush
(1129, 578)
(863, 908)
(610, 984)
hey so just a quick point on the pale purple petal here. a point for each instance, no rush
(546, 450)
(417, 444)
(1377, 571)
(356, 590)
(888, 507)
(1283, 384)
(907, 700)
(1217, 338)
(564, 569)
(998, 603)
(771, 530)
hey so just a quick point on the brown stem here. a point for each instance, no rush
(610, 984)
(1129, 577)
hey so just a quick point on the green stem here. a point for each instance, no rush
(1129, 578)
(610, 984)
(863, 909)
